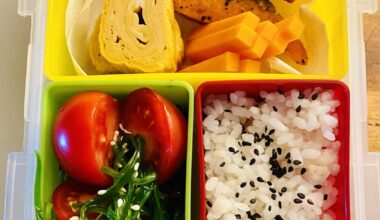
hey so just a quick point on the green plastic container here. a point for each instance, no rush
(48, 174)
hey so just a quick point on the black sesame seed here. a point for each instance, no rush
(237, 195)
(271, 132)
(249, 214)
(287, 155)
(280, 204)
(231, 149)
(238, 216)
(310, 202)
(269, 183)
(284, 189)
(246, 143)
(279, 173)
(278, 217)
(253, 161)
(297, 201)
(301, 195)
(243, 184)
(257, 215)
(209, 203)
(303, 171)
(266, 129)
(280, 194)
(273, 196)
(297, 162)
(301, 96)
(325, 197)
(222, 164)
(274, 153)
(227, 110)
(256, 151)
(290, 169)
(270, 208)
(318, 186)
(273, 162)
(314, 96)
(260, 179)
(298, 109)
(251, 183)
(273, 190)
(267, 143)
(275, 108)
(252, 201)
(279, 150)
(289, 161)
(243, 158)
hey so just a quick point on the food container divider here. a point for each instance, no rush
(252, 88)
(364, 167)
(49, 174)
(58, 65)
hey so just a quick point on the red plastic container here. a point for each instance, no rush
(342, 207)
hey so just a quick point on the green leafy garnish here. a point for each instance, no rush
(134, 191)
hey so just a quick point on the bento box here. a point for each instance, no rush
(49, 173)
(48, 60)
(215, 142)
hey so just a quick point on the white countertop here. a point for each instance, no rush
(14, 39)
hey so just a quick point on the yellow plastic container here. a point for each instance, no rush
(59, 67)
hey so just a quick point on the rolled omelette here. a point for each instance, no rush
(139, 36)
(99, 62)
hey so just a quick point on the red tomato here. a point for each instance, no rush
(163, 128)
(83, 129)
(69, 193)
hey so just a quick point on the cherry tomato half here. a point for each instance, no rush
(163, 128)
(69, 193)
(83, 129)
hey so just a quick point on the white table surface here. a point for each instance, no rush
(14, 39)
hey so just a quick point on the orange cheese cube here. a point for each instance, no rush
(276, 47)
(259, 46)
(291, 28)
(226, 62)
(250, 66)
(267, 29)
(247, 18)
(183, 67)
(233, 39)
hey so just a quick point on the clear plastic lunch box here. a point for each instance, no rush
(364, 165)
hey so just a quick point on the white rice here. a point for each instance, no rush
(276, 159)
